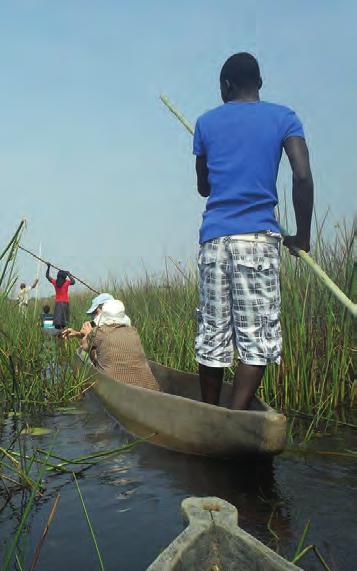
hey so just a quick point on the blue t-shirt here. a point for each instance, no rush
(242, 142)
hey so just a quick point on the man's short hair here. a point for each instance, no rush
(242, 71)
(46, 308)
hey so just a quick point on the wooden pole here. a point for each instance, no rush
(318, 271)
(37, 278)
(56, 268)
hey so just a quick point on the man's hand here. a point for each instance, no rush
(86, 328)
(69, 332)
(295, 243)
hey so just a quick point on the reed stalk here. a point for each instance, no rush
(89, 524)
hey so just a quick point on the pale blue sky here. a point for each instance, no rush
(89, 155)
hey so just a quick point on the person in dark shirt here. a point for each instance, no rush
(238, 147)
(46, 317)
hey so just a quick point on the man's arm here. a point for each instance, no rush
(69, 332)
(71, 278)
(48, 272)
(203, 186)
(303, 192)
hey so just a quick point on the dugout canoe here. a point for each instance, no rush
(213, 540)
(181, 422)
(51, 332)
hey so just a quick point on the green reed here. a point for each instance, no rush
(316, 372)
(34, 369)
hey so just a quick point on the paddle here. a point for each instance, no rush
(56, 268)
(326, 280)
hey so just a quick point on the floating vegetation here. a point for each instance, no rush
(69, 410)
(35, 431)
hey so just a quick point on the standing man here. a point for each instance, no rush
(23, 296)
(238, 148)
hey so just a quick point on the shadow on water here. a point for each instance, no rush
(244, 483)
(134, 499)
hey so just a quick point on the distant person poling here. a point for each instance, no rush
(23, 296)
(61, 285)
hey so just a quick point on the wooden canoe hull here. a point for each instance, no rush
(214, 540)
(51, 332)
(179, 422)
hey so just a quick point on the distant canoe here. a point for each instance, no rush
(51, 331)
(214, 541)
(181, 422)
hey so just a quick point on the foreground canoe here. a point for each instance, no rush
(178, 420)
(214, 541)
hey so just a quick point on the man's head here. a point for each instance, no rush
(46, 308)
(23, 285)
(61, 278)
(240, 74)
(97, 303)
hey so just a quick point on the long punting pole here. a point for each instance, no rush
(56, 268)
(337, 292)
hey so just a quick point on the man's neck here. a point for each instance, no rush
(247, 96)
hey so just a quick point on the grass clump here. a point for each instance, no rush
(34, 369)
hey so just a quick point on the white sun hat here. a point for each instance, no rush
(113, 313)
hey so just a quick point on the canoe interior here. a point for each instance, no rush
(187, 385)
(176, 418)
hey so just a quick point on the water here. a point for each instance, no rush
(133, 499)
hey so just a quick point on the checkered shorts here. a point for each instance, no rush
(239, 303)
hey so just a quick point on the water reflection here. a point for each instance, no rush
(134, 498)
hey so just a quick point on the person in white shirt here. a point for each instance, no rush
(23, 295)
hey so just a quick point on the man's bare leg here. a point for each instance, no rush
(211, 383)
(246, 381)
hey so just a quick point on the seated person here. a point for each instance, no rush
(46, 318)
(114, 346)
(94, 311)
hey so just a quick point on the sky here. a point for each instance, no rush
(102, 172)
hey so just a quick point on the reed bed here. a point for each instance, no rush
(317, 370)
(34, 370)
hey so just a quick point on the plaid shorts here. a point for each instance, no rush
(239, 302)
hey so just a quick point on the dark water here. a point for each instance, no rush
(134, 499)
